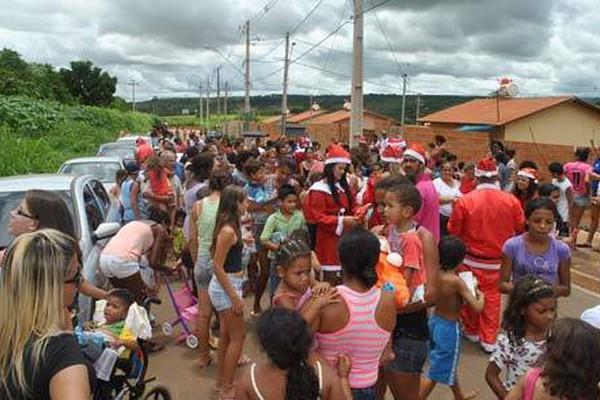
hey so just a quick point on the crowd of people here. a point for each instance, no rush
(376, 261)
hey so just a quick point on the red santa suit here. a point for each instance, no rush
(484, 219)
(321, 209)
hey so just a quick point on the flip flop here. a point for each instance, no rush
(213, 342)
(255, 314)
(585, 245)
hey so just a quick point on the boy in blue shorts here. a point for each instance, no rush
(444, 325)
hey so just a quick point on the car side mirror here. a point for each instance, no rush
(105, 230)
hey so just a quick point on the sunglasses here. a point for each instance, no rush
(24, 214)
(77, 279)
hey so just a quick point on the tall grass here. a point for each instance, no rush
(38, 136)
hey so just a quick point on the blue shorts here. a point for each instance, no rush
(581, 200)
(369, 393)
(444, 350)
(218, 297)
(409, 355)
(203, 270)
(273, 279)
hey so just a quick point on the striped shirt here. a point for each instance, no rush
(362, 339)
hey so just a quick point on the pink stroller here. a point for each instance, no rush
(186, 309)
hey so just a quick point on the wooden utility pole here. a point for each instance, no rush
(200, 94)
(404, 82)
(284, 101)
(247, 109)
(219, 90)
(225, 106)
(356, 119)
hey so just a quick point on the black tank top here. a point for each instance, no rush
(233, 262)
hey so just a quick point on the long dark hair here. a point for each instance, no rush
(228, 212)
(359, 253)
(201, 166)
(331, 182)
(526, 194)
(50, 210)
(572, 365)
(286, 338)
(528, 290)
(293, 247)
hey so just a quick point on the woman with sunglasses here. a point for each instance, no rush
(39, 356)
(41, 209)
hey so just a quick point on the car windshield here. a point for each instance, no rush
(122, 152)
(103, 171)
(10, 201)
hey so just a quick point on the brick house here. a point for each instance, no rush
(541, 129)
(336, 125)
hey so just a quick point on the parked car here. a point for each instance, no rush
(89, 204)
(134, 138)
(124, 150)
(102, 168)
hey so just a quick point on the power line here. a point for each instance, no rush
(264, 10)
(294, 29)
(388, 42)
(376, 6)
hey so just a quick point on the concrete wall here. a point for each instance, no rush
(567, 124)
(340, 131)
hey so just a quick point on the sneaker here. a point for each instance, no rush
(488, 348)
(471, 338)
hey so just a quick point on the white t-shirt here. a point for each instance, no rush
(515, 359)
(563, 203)
(444, 190)
(592, 316)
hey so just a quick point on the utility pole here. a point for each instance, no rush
(247, 109)
(225, 106)
(404, 82)
(133, 84)
(284, 101)
(200, 94)
(207, 98)
(418, 109)
(219, 90)
(356, 119)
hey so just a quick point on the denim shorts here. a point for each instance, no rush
(410, 355)
(369, 393)
(274, 278)
(203, 270)
(218, 297)
(581, 200)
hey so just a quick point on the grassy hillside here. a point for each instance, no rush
(39, 135)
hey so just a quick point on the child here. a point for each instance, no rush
(566, 196)
(444, 323)
(225, 288)
(571, 367)
(578, 172)
(411, 333)
(289, 372)
(262, 197)
(527, 319)
(468, 182)
(118, 302)
(279, 225)
(536, 251)
(177, 234)
(296, 282)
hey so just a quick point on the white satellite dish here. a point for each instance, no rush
(315, 107)
(347, 106)
(512, 90)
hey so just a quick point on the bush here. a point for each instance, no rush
(38, 136)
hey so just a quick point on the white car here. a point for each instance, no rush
(102, 168)
(134, 138)
(90, 207)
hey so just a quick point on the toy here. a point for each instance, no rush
(389, 272)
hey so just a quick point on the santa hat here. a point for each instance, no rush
(529, 173)
(337, 155)
(417, 152)
(391, 155)
(486, 168)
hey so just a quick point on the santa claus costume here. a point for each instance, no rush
(484, 219)
(327, 203)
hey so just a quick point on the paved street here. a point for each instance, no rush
(174, 366)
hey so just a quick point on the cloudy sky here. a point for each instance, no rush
(548, 47)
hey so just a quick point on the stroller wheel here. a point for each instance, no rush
(167, 328)
(191, 341)
(158, 393)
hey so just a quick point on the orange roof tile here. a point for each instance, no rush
(485, 111)
(272, 120)
(342, 115)
(296, 119)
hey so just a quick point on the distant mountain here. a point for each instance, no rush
(389, 105)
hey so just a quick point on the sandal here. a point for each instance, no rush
(585, 245)
(213, 343)
(255, 314)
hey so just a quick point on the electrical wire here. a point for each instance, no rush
(388, 42)
(294, 29)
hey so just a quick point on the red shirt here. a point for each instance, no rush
(467, 185)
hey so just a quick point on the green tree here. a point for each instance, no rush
(14, 79)
(88, 84)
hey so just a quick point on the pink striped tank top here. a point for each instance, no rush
(361, 339)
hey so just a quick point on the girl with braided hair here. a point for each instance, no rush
(289, 373)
